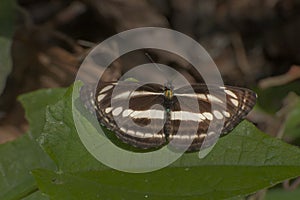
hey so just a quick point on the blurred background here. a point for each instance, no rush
(255, 44)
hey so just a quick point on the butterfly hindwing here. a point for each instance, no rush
(239, 102)
(231, 104)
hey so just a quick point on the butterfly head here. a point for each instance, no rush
(168, 93)
(168, 90)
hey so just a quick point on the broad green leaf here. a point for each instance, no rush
(292, 123)
(279, 194)
(271, 99)
(7, 17)
(36, 196)
(7, 14)
(35, 104)
(60, 140)
(17, 159)
(241, 163)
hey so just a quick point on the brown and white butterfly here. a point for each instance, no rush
(158, 125)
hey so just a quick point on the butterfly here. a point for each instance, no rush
(151, 115)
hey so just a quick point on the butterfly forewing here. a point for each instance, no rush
(159, 117)
(119, 106)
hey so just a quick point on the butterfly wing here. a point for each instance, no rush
(127, 109)
(238, 103)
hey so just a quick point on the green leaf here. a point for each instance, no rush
(7, 17)
(17, 159)
(7, 14)
(241, 163)
(279, 194)
(60, 139)
(36, 196)
(266, 98)
(292, 123)
(35, 104)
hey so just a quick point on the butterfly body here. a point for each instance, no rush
(151, 115)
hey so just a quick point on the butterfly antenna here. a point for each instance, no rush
(150, 58)
(159, 68)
